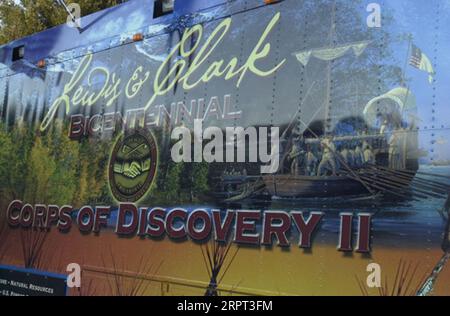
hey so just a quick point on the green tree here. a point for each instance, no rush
(65, 153)
(92, 175)
(41, 167)
(82, 194)
(172, 185)
(6, 156)
(200, 172)
(32, 16)
(194, 181)
(15, 148)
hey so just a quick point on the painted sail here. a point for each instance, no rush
(397, 101)
(328, 54)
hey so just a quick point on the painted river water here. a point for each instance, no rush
(406, 222)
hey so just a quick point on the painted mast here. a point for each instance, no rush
(329, 69)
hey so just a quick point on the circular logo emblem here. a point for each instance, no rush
(132, 166)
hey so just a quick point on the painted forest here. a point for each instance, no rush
(52, 169)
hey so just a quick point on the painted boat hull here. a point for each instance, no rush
(288, 186)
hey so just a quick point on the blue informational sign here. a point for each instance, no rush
(30, 282)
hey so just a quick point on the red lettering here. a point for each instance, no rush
(122, 227)
(14, 207)
(176, 233)
(363, 245)
(155, 227)
(65, 218)
(306, 228)
(271, 228)
(76, 126)
(205, 230)
(52, 216)
(40, 212)
(222, 230)
(26, 216)
(85, 219)
(245, 224)
(101, 217)
(345, 239)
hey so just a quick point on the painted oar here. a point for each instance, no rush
(393, 189)
(378, 187)
(404, 185)
(410, 175)
(439, 187)
(425, 173)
